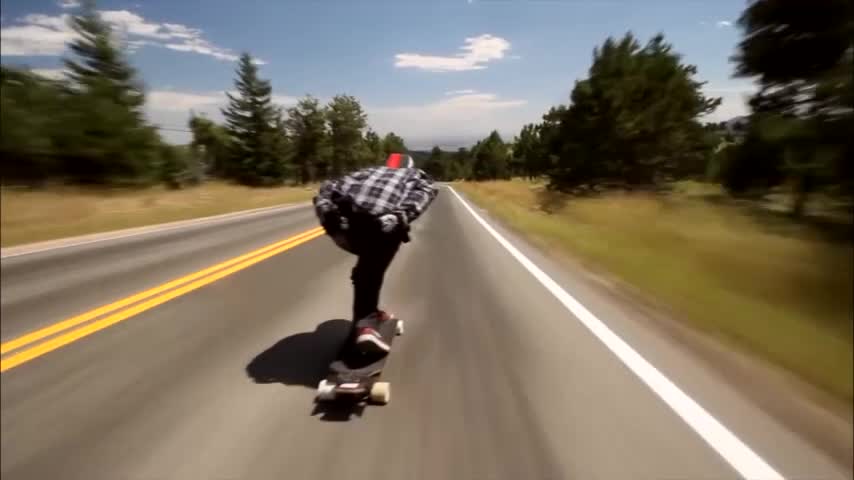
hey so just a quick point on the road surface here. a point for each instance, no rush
(499, 375)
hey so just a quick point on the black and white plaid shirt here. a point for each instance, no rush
(378, 191)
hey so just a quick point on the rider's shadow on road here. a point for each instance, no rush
(300, 359)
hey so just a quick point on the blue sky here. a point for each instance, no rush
(433, 71)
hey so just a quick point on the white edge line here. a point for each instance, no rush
(725, 443)
(152, 229)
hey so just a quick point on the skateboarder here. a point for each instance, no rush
(368, 213)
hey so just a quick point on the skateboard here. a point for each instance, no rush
(354, 375)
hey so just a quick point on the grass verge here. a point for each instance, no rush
(37, 215)
(785, 294)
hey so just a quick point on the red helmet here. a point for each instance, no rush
(399, 160)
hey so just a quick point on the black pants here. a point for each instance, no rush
(375, 252)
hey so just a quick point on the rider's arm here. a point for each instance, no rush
(323, 205)
(419, 194)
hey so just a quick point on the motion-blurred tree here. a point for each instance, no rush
(633, 120)
(31, 114)
(802, 55)
(306, 126)
(178, 166)
(210, 144)
(281, 143)
(108, 138)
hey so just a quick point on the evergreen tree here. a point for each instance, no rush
(633, 120)
(346, 122)
(108, 138)
(490, 158)
(374, 147)
(802, 55)
(210, 144)
(306, 126)
(251, 124)
(393, 144)
(435, 166)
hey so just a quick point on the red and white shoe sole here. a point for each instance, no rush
(371, 342)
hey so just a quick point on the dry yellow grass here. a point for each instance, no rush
(32, 216)
(787, 296)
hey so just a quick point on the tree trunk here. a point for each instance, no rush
(803, 187)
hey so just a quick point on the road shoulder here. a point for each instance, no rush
(129, 232)
(818, 418)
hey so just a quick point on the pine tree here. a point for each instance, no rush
(632, 121)
(490, 158)
(210, 144)
(374, 148)
(393, 144)
(109, 138)
(306, 126)
(250, 122)
(346, 122)
(102, 68)
(435, 164)
(802, 57)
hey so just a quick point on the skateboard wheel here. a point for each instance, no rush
(399, 328)
(381, 392)
(325, 390)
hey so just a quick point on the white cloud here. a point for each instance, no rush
(476, 53)
(129, 23)
(724, 24)
(46, 35)
(733, 101)
(461, 92)
(181, 31)
(203, 47)
(37, 35)
(459, 119)
(66, 4)
(173, 36)
(172, 101)
(134, 45)
(51, 73)
(54, 23)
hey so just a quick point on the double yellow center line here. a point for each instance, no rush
(137, 303)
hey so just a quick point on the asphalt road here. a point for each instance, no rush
(495, 378)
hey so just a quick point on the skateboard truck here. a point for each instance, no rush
(377, 392)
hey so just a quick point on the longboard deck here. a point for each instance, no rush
(354, 373)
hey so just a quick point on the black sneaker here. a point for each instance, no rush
(370, 341)
(368, 338)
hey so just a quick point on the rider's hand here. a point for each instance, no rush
(388, 222)
(334, 223)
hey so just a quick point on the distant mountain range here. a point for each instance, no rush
(734, 125)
